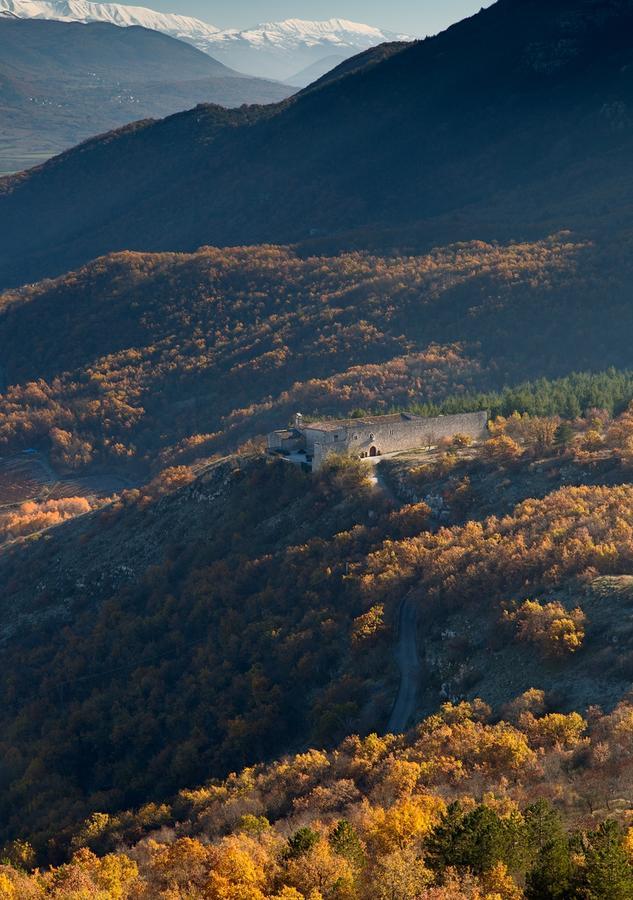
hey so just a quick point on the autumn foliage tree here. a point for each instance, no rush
(556, 630)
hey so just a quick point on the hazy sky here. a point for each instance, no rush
(417, 17)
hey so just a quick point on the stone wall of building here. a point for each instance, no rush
(285, 441)
(378, 437)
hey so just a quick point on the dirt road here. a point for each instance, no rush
(408, 658)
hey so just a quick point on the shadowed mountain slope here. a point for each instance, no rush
(50, 49)
(61, 82)
(505, 121)
(268, 50)
(365, 60)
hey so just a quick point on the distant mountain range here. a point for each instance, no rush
(182, 27)
(277, 50)
(62, 82)
(285, 49)
(513, 123)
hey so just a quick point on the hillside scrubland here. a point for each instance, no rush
(161, 359)
(389, 817)
(222, 615)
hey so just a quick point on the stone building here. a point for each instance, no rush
(313, 442)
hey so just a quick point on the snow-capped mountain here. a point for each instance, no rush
(293, 33)
(194, 31)
(281, 49)
(274, 49)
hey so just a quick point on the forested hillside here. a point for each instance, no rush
(497, 128)
(203, 607)
(215, 620)
(163, 358)
(390, 818)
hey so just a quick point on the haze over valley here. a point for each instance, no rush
(70, 69)
(278, 50)
(62, 82)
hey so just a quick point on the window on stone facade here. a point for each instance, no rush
(372, 436)
(336, 437)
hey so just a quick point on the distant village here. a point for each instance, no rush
(311, 443)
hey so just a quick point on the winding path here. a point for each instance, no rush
(406, 649)
(408, 659)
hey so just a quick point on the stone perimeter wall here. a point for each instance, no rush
(394, 437)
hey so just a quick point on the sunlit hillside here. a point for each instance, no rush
(161, 359)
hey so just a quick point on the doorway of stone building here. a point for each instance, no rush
(373, 451)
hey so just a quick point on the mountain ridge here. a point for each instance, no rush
(337, 164)
(62, 82)
(113, 13)
(279, 46)
(273, 49)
